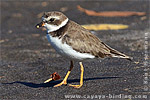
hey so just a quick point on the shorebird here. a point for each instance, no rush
(74, 42)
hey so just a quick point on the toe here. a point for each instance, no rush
(75, 86)
(64, 82)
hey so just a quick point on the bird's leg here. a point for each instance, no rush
(65, 79)
(81, 78)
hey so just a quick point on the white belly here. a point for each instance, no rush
(66, 50)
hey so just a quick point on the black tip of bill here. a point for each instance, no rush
(37, 26)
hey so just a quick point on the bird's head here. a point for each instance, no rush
(53, 21)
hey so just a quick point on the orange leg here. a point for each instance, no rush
(65, 79)
(81, 77)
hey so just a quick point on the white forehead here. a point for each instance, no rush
(48, 18)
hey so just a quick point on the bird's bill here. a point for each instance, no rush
(40, 25)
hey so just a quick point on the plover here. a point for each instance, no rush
(74, 42)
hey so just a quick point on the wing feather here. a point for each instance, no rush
(83, 41)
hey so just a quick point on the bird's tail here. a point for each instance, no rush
(115, 53)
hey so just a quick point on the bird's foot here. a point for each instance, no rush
(76, 86)
(63, 82)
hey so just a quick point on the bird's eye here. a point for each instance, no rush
(46, 16)
(45, 21)
(52, 19)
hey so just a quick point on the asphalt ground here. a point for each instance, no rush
(27, 59)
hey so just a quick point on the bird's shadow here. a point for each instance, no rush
(52, 83)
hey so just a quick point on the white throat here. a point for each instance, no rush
(52, 28)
